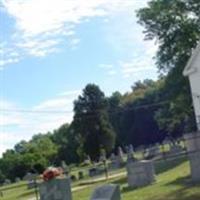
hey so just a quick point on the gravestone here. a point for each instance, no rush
(131, 149)
(114, 162)
(28, 176)
(55, 189)
(87, 160)
(152, 152)
(65, 168)
(93, 172)
(130, 153)
(107, 192)
(80, 175)
(31, 179)
(140, 173)
(7, 182)
(17, 180)
(120, 156)
(175, 149)
(193, 148)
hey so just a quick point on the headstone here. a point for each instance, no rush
(32, 184)
(73, 178)
(95, 171)
(87, 161)
(175, 149)
(114, 162)
(120, 156)
(80, 175)
(17, 180)
(130, 154)
(7, 182)
(55, 189)
(152, 152)
(193, 148)
(140, 173)
(107, 192)
(131, 149)
(65, 168)
(92, 171)
(30, 178)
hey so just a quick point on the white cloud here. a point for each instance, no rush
(112, 72)
(40, 24)
(17, 123)
(109, 69)
(142, 62)
(70, 94)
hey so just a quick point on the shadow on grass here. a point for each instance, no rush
(165, 165)
(185, 182)
(181, 194)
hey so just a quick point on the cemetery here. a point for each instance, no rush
(136, 178)
(139, 142)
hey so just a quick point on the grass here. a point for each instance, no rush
(173, 183)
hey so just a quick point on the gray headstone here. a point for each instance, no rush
(120, 156)
(152, 152)
(55, 189)
(17, 179)
(115, 164)
(176, 149)
(29, 177)
(193, 148)
(140, 173)
(7, 182)
(32, 184)
(107, 192)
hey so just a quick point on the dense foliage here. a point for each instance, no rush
(91, 122)
(146, 115)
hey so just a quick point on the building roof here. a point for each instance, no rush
(190, 68)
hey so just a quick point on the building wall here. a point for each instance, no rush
(195, 88)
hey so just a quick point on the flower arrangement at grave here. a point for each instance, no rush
(51, 173)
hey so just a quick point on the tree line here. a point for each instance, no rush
(152, 111)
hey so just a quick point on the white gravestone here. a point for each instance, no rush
(55, 189)
(107, 192)
(140, 173)
(193, 148)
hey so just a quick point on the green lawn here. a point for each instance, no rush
(173, 183)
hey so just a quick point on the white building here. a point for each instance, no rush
(192, 70)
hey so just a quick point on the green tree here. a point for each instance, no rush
(174, 24)
(91, 121)
(67, 143)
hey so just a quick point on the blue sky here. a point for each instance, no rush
(49, 50)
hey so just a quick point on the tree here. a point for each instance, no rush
(67, 143)
(176, 28)
(91, 121)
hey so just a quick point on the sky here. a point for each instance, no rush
(50, 50)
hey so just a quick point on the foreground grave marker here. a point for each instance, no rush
(55, 189)
(107, 192)
(193, 148)
(140, 173)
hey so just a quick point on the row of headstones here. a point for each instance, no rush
(140, 173)
(148, 153)
(117, 161)
(60, 189)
